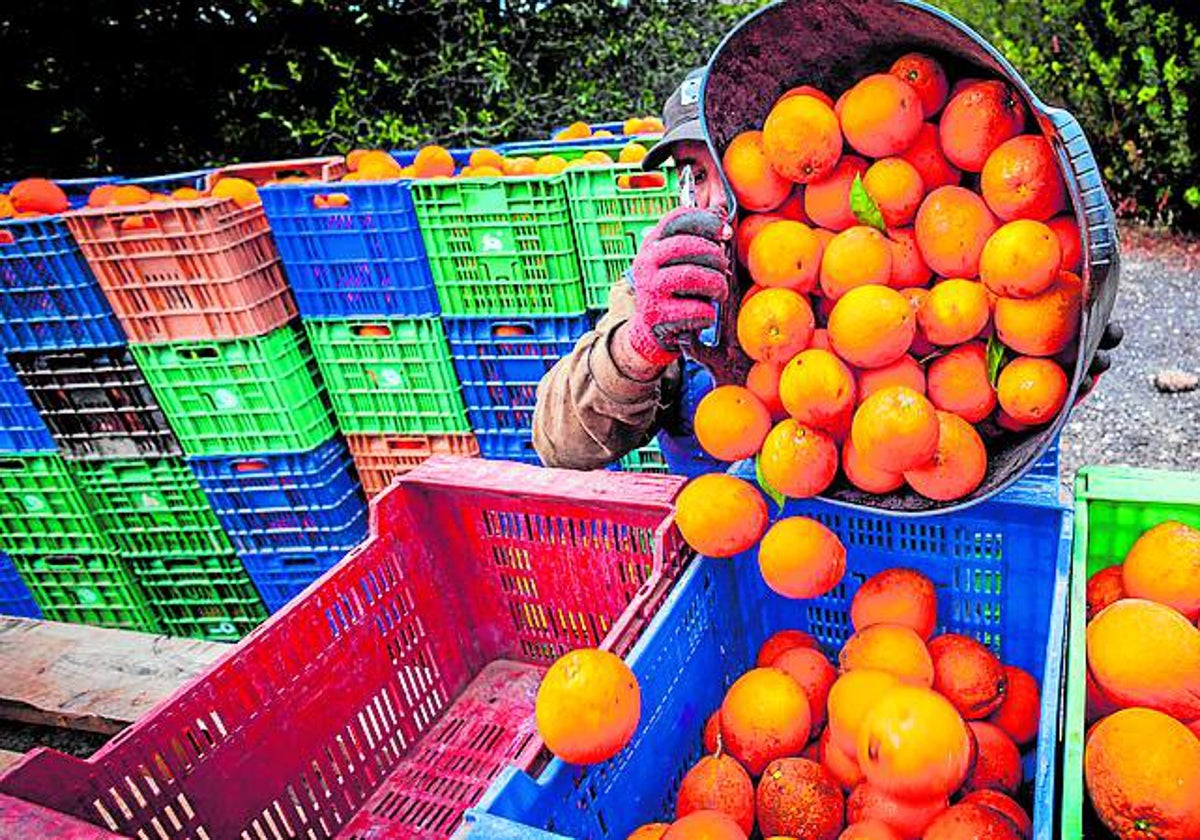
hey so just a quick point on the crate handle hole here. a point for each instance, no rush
(371, 330)
(12, 464)
(141, 221)
(254, 465)
(405, 445)
(198, 353)
(64, 560)
(641, 181)
(331, 201)
(297, 562)
(511, 330)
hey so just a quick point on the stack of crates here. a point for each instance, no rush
(199, 288)
(354, 255)
(65, 384)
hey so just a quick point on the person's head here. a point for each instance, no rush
(683, 140)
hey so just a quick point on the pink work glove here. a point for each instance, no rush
(679, 275)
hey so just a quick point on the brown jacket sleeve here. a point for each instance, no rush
(589, 414)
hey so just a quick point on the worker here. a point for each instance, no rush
(625, 380)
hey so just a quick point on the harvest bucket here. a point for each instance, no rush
(829, 43)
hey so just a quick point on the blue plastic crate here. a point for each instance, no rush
(279, 576)
(500, 362)
(21, 427)
(286, 502)
(508, 445)
(196, 179)
(49, 298)
(617, 127)
(359, 254)
(1001, 571)
(405, 157)
(15, 598)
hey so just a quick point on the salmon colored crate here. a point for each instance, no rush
(328, 168)
(384, 700)
(381, 458)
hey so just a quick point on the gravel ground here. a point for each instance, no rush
(1126, 420)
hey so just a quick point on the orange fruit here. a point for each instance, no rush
(1142, 771)
(864, 476)
(812, 671)
(748, 228)
(486, 172)
(851, 697)
(968, 821)
(720, 515)
(797, 460)
(353, 158)
(779, 643)
(763, 382)
(955, 311)
(1164, 566)
(1021, 707)
(1069, 241)
(243, 193)
(881, 116)
(1021, 259)
(186, 194)
(967, 674)
(705, 825)
(785, 254)
(1020, 180)
(844, 768)
(958, 382)
(519, 166)
(820, 340)
(588, 706)
(957, 467)
(869, 830)
(38, 195)
(1032, 391)
(764, 716)
(1005, 806)
(896, 187)
(575, 131)
(977, 120)
(7, 211)
(908, 266)
(926, 155)
(916, 299)
(712, 732)
(817, 389)
(924, 75)
(1105, 587)
(754, 181)
(802, 139)
(632, 152)
(550, 165)
(799, 798)
(871, 326)
(1142, 653)
(953, 226)
(908, 818)
(1043, 325)
(598, 157)
(997, 761)
(896, 596)
(801, 558)
(731, 423)
(896, 429)
(894, 648)
(913, 744)
(775, 325)
(827, 201)
(649, 831)
(857, 256)
(485, 157)
(100, 196)
(808, 90)
(717, 783)
(905, 371)
(129, 195)
(793, 207)
(378, 165)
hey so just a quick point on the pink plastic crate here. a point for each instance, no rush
(383, 701)
(20, 820)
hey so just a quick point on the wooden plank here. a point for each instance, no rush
(91, 678)
(8, 757)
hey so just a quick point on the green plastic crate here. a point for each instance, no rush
(389, 376)
(648, 459)
(500, 246)
(151, 508)
(610, 221)
(245, 396)
(1113, 507)
(87, 588)
(204, 597)
(42, 511)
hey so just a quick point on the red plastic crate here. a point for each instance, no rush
(383, 701)
(186, 270)
(21, 820)
(328, 168)
(380, 458)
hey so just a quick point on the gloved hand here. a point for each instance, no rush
(1114, 333)
(679, 275)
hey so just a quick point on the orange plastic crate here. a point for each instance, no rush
(186, 270)
(381, 458)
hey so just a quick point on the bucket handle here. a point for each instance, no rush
(1099, 219)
